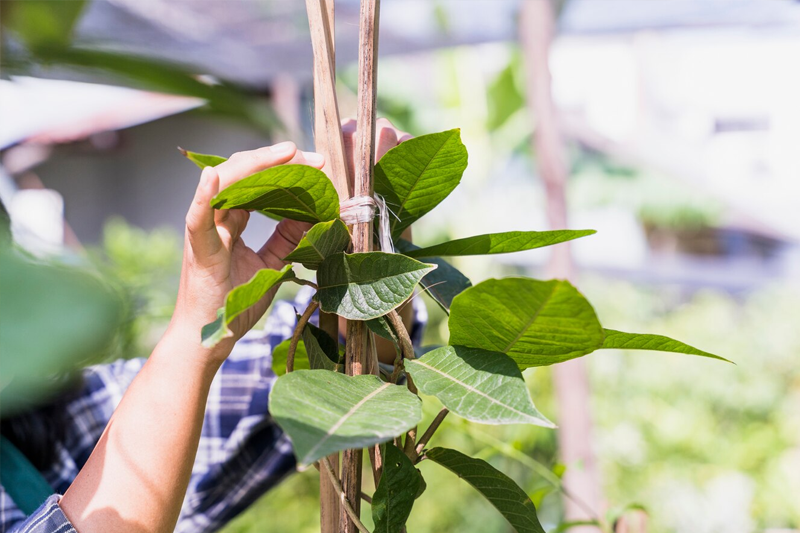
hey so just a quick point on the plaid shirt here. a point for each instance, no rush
(242, 452)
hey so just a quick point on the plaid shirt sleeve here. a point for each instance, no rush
(242, 452)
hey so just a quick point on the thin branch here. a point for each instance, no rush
(346, 504)
(423, 440)
(366, 498)
(298, 332)
(307, 282)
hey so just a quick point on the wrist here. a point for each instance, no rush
(184, 340)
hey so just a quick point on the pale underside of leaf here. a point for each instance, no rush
(499, 243)
(367, 285)
(501, 491)
(478, 385)
(641, 341)
(323, 412)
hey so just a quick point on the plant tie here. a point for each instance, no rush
(359, 209)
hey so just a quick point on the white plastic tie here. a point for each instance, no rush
(359, 209)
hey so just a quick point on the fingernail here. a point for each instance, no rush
(283, 148)
(314, 158)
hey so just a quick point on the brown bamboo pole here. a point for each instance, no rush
(330, 143)
(537, 28)
(356, 357)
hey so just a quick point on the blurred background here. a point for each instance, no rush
(670, 126)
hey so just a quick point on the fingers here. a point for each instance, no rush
(386, 137)
(243, 164)
(200, 227)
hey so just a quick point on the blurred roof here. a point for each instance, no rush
(620, 16)
(251, 42)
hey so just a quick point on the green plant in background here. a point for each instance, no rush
(497, 328)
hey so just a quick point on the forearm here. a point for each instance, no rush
(136, 477)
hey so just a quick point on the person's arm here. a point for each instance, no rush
(136, 477)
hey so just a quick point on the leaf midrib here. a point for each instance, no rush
(414, 186)
(532, 320)
(345, 417)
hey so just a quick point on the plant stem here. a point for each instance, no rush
(298, 332)
(346, 504)
(306, 282)
(423, 440)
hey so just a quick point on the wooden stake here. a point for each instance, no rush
(362, 233)
(537, 27)
(329, 142)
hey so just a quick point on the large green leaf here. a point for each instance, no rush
(641, 341)
(240, 299)
(367, 285)
(512, 502)
(324, 412)
(53, 321)
(499, 243)
(322, 240)
(203, 160)
(396, 492)
(418, 174)
(479, 385)
(537, 323)
(444, 283)
(298, 192)
(322, 351)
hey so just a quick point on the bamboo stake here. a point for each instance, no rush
(329, 142)
(362, 232)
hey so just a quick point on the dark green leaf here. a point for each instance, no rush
(322, 240)
(381, 327)
(280, 352)
(323, 352)
(396, 492)
(537, 323)
(418, 174)
(444, 283)
(498, 488)
(242, 298)
(499, 243)
(202, 160)
(479, 385)
(640, 341)
(298, 192)
(324, 412)
(367, 285)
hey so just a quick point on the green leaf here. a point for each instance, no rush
(322, 240)
(504, 97)
(367, 285)
(536, 323)
(419, 173)
(323, 352)
(298, 192)
(381, 327)
(478, 385)
(324, 412)
(499, 243)
(42, 23)
(202, 160)
(498, 488)
(620, 340)
(396, 492)
(444, 283)
(240, 299)
(280, 353)
(54, 320)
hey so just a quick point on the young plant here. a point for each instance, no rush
(497, 328)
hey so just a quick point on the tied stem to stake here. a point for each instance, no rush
(346, 504)
(356, 354)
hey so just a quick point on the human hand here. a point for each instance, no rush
(216, 259)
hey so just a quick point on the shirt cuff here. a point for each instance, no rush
(48, 518)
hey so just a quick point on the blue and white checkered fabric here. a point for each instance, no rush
(242, 452)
